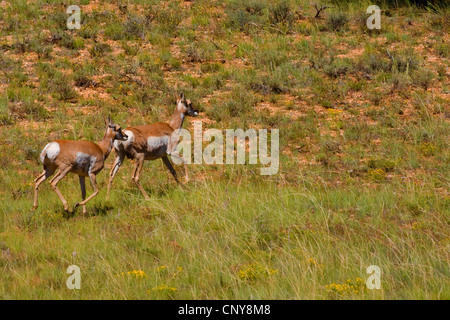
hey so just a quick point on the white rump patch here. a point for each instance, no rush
(154, 143)
(51, 150)
(85, 161)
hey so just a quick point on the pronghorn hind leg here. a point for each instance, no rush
(61, 174)
(136, 173)
(48, 171)
(169, 166)
(40, 176)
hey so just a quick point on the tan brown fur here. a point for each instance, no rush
(139, 148)
(84, 158)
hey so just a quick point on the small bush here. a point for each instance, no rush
(194, 54)
(78, 43)
(82, 79)
(336, 68)
(168, 19)
(336, 21)
(427, 148)
(281, 14)
(242, 15)
(400, 81)
(134, 27)
(377, 174)
(87, 31)
(442, 49)
(60, 86)
(239, 103)
(269, 58)
(211, 67)
(5, 116)
(379, 163)
(67, 41)
(99, 49)
(114, 31)
(422, 78)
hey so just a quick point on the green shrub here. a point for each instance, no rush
(244, 14)
(422, 78)
(130, 49)
(239, 103)
(211, 67)
(5, 115)
(442, 49)
(269, 57)
(168, 19)
(281, 14)
(400, 81)
(88, 31)
(336, 21)
(59, 19)
(380, 163)
(67, 41)
(82, 78)
(114, 31)
(200, 52)
(99, 49)
(337, 68)
(134, 27)
(61, 87)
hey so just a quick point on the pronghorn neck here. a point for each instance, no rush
(106, 143)
(177, 118)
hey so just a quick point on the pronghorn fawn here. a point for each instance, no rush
(84, 158)
(151, 142)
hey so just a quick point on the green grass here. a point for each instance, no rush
(364, 150)
(212, 229)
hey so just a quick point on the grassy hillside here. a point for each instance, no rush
(364, 150)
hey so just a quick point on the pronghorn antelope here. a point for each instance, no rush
(84, 158)
(151, 142)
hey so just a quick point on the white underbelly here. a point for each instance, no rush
(157, 145)
(85, 162)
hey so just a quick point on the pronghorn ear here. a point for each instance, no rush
(182, 97)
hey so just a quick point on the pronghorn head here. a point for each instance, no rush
(115, 130)
(185, 106)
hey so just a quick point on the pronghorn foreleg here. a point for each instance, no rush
(135, 177)
(94, 185)
(83, 190)
(171, 150)
(169, 166)
(176, 155)
(117, 163)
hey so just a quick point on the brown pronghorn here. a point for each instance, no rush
(84, 158)
(151, 142)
